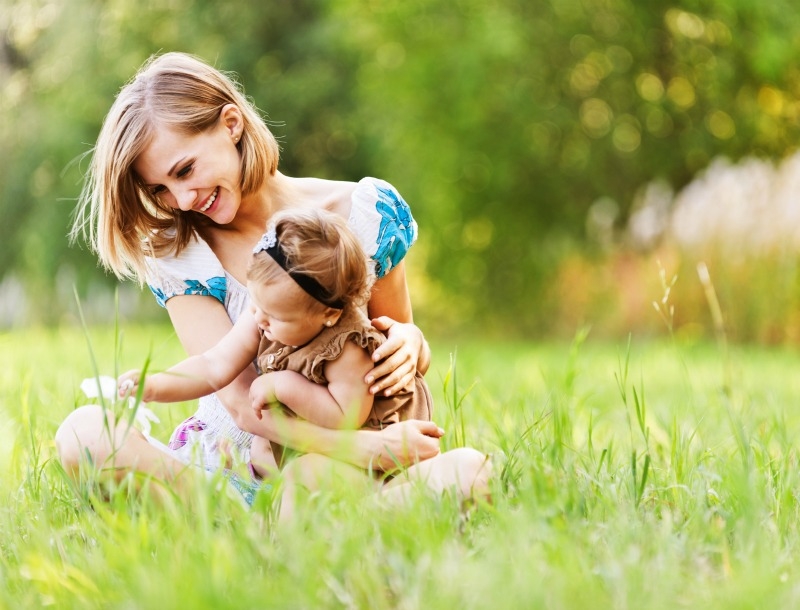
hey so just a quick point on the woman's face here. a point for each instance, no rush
(195, 172)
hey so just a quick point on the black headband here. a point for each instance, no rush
(269, 243)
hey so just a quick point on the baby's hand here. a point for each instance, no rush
(128, 383)
(262, 393)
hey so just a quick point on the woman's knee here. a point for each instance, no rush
(472, 471)
(85, 433)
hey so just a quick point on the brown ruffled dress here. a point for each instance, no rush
(309, 360)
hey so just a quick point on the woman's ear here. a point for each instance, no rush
(231, 119)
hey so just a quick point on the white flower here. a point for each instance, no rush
(95, 387)
(105, 386)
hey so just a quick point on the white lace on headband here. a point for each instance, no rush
(267, 241)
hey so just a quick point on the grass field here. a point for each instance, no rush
(631, 475)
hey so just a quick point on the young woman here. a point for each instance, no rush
(183, 178)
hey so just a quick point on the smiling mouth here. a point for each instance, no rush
(210, 201)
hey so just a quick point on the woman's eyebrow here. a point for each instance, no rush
(177, 163)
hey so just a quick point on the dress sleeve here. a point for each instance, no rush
(382, 221)
(195, 271)
(367, 339)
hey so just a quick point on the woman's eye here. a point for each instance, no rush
(185, 171)
(157, 190)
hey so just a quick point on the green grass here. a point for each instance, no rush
(641, 475)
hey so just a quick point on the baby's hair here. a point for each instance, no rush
(116, 214)
(318, 244)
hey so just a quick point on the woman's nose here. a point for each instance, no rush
(185, 198)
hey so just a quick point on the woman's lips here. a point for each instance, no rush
(210, 201)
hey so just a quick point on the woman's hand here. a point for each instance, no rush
(404, 352)
(399, 445)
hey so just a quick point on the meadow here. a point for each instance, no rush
(658, 473)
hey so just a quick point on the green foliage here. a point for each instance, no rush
(500, 122)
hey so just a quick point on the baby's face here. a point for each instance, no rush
(281, 310)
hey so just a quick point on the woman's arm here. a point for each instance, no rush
(389, 296)
(401, 444)
(406, 350)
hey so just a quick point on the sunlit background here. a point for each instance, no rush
(570, 162)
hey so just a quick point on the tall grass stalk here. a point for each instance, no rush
(719, 324)
(454, 401)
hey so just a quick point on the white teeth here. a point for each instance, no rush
(212, 198)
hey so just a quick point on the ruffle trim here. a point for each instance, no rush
(364, 338)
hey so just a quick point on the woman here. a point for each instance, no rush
(183, 179)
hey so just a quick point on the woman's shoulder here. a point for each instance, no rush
(331, 195)
(197, 252)
(371, 188)
(382, 220)
(341, 195)
(376, 212)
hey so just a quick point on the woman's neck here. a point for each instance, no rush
(233, 243)
(257, 208)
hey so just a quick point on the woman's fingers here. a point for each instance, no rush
(391, 376)
(400, 337)
(428, 428)
(396, 361)
(408, 442)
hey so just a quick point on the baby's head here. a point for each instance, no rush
(319, 252)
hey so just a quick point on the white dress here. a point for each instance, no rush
(382, 221)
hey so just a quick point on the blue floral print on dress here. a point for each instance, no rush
(161, 298)
(397, 229)
(217, 287)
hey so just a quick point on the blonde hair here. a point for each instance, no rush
(318, 244)
(117, 215)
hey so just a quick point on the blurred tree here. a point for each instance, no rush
(505, 121)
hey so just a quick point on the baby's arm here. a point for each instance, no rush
(201, 374)
(345, 402)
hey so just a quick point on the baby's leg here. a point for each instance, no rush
(262, 458)
(311, 472)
